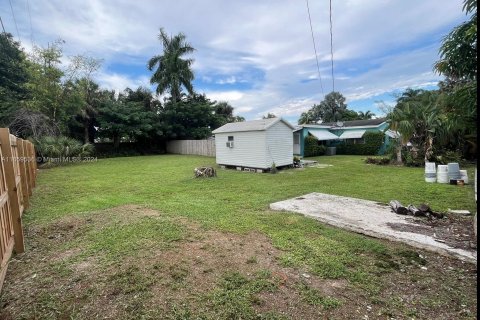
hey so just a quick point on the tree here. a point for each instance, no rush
(45, 81)
(417, 117)
(122, 119)
(172, 72)
(190, 118)
(80, 72)
(269, 116)
(13, 78)
(458, 63)
(365, 115)
(332, 108)
(223, 112)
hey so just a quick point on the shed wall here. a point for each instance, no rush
(249, 149)
(279, 145)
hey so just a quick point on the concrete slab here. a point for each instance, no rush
(369, 218)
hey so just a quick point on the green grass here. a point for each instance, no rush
(237, 202)
(234, 202)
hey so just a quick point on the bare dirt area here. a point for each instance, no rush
(454, 230)
(69, 272)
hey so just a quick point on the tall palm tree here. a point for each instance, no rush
(172, 72)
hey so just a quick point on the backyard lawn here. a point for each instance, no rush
(139, 238)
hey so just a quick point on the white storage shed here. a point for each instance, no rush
(255, 144)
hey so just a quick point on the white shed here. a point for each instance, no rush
(255, 144)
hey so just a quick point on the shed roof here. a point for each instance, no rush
(253, 125)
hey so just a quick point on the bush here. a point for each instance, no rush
(51, 148)
(448, 156)
(378, 160)
(312, 148)
(373, 142)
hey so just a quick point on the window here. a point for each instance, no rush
(230, 138)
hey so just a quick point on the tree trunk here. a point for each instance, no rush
(86, 136)
(116, 141)
(398, 208)
(399, 154)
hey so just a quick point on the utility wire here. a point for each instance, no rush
(14, 20)
(1, 21)
(331, 45)
(30, 19)
(315, 48)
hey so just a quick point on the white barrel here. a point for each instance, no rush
(464, 176)
(442, 174)
(430, 172)
(453, 171)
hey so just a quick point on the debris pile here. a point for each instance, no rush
(422, 210)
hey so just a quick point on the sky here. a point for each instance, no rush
(256, 55)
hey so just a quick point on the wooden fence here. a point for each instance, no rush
(18, 170)
(197, 147)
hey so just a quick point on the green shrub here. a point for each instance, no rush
(51, 148)
(372, 145)
(312, 148)
(448, 156)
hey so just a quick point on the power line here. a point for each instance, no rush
(1, 21)
(331, 46)
(315, 48)
(14, 20)
(30, 19)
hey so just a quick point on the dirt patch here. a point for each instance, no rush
(211, 274)
(453, 230)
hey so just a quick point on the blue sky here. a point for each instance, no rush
(257, 55)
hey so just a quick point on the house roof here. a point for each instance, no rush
(357, 123)
(323, 135)
(253, 125)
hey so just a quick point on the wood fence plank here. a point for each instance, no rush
(10, 179)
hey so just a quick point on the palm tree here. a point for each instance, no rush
(400, 121)
(172, 72)
(365, 115)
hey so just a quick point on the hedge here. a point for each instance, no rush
(372, 145)
(312, 148)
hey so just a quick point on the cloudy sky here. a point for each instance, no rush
(257, 55)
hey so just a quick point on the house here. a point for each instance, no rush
(334, 133)
(255, 144)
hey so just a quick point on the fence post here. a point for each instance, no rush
(23, 171)
(12, 189)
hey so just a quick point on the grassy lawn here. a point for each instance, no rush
(139, 238)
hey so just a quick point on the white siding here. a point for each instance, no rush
(279, 145)
(249, 149)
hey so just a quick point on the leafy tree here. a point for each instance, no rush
(332, 108)
(84, 90)
(458, 63)
(172, 72)
(121, 119)
(350, 115)
(418, 118)
(190, 118)
(45, 82)
(13, 77)
(458, 52)
(224, 114)
(269, 116)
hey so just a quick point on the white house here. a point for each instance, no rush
(255, 144)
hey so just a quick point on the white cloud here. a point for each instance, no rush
(379, 45)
